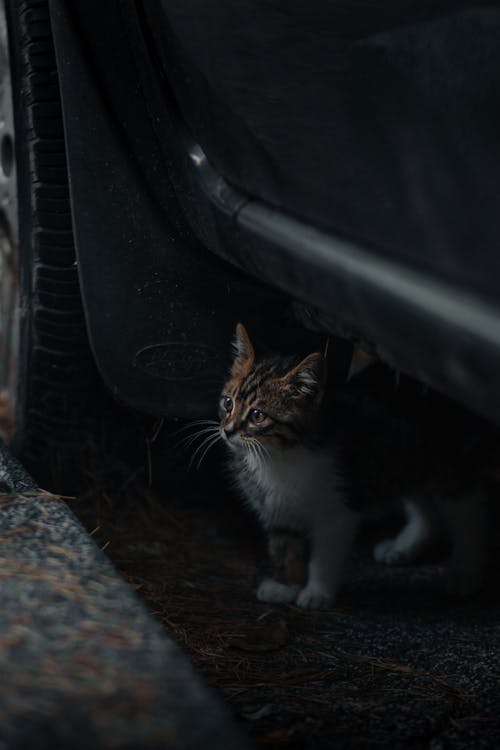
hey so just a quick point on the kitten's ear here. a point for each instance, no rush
(307, 379)
(244, 353)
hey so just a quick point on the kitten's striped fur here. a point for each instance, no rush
(310, 493)
(270, 411)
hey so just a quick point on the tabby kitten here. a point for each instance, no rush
(312, 466)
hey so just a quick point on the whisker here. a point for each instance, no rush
(209, 446)
(256, 450)
(189, 439)
(265, 451)
(194, 423)
(251, 444)
(200, 447)
(260, 450)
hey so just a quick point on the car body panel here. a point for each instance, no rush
(161, 233)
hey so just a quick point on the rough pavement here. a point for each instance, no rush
(82, 663)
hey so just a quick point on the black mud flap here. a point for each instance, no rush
(161, 309)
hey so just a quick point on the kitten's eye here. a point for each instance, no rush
(227, 403)
(257, 416)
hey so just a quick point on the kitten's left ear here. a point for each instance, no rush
(244, 353)
(307, 379)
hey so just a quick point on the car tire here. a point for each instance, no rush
(57, 390)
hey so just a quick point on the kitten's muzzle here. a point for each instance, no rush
(226, 431)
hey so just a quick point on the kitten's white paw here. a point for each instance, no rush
(313, 597)
(391, 553)
(273, 592)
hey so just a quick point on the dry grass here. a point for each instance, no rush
(295, 679)
(291, 676)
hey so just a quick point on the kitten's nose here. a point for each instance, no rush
(229, 429)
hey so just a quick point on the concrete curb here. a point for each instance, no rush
(82, 663)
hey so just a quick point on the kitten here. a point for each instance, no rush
(313, 464)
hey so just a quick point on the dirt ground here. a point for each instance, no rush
(395, 663)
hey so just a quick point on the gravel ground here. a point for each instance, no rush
(395, 663)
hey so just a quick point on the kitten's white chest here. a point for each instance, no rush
(290, 487)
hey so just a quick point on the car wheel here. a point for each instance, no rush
(46, 361)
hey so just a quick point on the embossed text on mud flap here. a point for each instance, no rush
(177, 360)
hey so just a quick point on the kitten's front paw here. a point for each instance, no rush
(314, 597)
(273, 592)
(390, 553)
